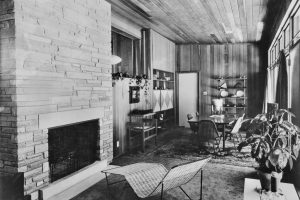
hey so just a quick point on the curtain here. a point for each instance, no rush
(282, 82)
(272, 77)
(295, 83)
(268, 90)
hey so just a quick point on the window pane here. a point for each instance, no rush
(296, 22)
(281, 43)
(287, 36)
(276, 51)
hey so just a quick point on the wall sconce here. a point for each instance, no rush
(115, 59)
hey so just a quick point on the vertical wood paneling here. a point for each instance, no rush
(195, 58)
(122, 108)
(163, 52)
(185, 58)
(243, 59)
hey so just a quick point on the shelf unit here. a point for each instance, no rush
(163, 97)
(234, 105)
(163, 80)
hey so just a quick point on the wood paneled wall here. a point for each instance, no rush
(122, 108)
(231, 60)
(163, 53)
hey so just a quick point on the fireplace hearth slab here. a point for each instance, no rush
(75, 183)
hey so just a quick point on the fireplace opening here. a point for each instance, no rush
(71, 148)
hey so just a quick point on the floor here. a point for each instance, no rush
(222, 181)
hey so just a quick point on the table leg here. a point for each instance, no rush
(224, 137)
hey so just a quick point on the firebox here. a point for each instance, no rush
(72, 147)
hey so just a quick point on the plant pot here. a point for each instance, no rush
(275, 181)
(265, 180)
(269, 181)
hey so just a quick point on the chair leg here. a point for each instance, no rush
(155, 136)
(143, 141)
(201, 182)
(185, 192)
(162, 191)
(129, 142)
(233, 138)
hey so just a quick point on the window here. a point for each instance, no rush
(275, 51)
(273, 55)
(296, 23)
(286, 36)
(281, 42)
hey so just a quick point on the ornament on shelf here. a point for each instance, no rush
(138, 80)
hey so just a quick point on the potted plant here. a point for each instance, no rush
(275, 143)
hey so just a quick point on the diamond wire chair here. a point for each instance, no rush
(150, 179)
(234, 132)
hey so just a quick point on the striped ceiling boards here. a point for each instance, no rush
(198, 21)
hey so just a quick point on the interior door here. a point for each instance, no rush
(187, 96)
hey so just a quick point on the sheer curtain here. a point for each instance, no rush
(282, 82)
(294, 81)
(271, 85)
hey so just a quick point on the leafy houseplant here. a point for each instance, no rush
(274, 141)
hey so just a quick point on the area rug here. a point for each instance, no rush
(185, 146)
(223, 176)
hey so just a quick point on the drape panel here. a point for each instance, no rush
(268, 90)
(295, 83)
(272, 77)
(282, 82)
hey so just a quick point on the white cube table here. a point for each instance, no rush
(252, 186)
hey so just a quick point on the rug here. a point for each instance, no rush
(185, 146)
(223, 176)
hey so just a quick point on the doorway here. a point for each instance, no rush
(188, 96)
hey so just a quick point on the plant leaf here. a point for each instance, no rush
(296, 150)
(267, 163)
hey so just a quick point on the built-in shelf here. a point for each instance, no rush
(163, 96)
(163, 80)
(235, 107)
(232, 78)
(232, 103)
(233, 97)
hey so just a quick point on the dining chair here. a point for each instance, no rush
(234, 133)
(189, 116)
(146, 127)
(193, 124)
(208, 133)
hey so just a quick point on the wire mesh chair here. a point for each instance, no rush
(193, 124)
(208, 133)
(234, 132)
(150, 179)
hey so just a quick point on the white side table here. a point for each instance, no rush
(252, 187)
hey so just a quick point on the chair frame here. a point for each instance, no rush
(143, 130)
(218, 138)
(234, 134)
(161, 183)
(194, 126)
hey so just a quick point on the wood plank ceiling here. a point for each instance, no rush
(198, 21)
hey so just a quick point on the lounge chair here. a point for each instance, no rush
(150, 179)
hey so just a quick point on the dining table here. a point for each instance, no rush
(220, 121)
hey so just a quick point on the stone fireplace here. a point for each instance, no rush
(71, 148)
(54, 71)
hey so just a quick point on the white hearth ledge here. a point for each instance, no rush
(75, 183)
